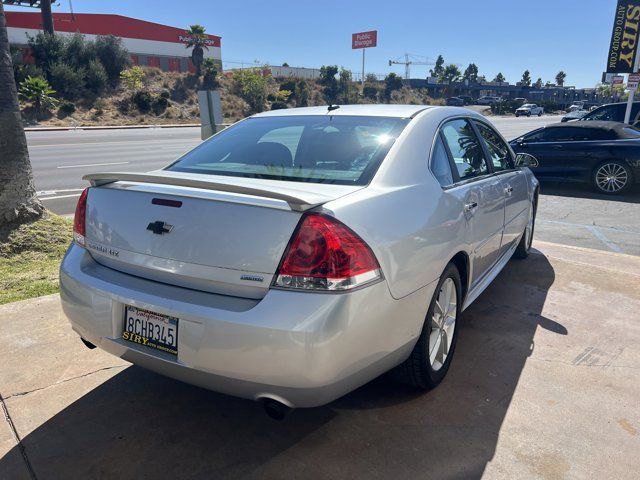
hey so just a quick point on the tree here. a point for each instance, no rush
(197, 41)
(252, 86)
(560, 76)
(526, 78)
(538, 83)
(18, 200)
(471, 73)
(47, 17)
(345, 86)
(209, 74)
(371, 78)
(328, 80)
(451, 73)
(438, 69)
(113, 56)
(391, 82)
(499, 78)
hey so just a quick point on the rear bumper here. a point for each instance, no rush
(304, 349)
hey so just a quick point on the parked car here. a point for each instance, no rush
(468, 99)
(455, 102)
(529, 109)
(614, 112)
(574, 115)
(487, 100)
(520, 101)
(300, 253)
(604, 154)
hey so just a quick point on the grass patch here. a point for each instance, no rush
(30, 256)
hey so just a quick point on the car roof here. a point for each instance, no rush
(620, 129)
(398, 111)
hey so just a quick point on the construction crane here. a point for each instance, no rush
(410, 59)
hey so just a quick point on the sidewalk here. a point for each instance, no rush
(545, 384)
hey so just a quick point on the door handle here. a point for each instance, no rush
(470, 206)
(508, 189)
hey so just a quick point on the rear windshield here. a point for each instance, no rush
(343, 150)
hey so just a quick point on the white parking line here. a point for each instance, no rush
(92, 165)
(602, 237)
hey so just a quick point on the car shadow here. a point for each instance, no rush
(586, 191)
(141, 425)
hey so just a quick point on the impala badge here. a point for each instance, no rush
(159, 228)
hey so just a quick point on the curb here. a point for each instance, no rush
(109, 127)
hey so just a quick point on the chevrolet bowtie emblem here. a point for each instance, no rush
(159, 228)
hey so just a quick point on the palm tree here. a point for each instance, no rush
(197, 40)
(18, 200)
(560, 78)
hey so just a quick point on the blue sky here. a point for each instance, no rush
(510, 36)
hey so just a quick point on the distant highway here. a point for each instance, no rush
(61, 158)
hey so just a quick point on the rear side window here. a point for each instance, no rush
(613, 113)
(498, 149)
(440, 165)
(465, 148)
(334, 149)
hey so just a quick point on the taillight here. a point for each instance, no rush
(325, 254)
(79, 220)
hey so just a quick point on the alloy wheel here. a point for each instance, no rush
(443, 324)
(611, 177)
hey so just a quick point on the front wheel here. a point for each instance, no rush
(539, 114)
(612, 178)
(529, 114)
(430, 359)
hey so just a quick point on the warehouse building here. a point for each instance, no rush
(149, 43)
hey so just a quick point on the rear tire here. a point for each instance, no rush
(524, 247)
(431, 357)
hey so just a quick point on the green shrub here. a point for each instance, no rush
(165, 94)
(24, 70)
(78, 51)
(279, 105)
(99, 106)
(143, 100)
(95, 78)
(133, 78)
(38, 92)
(392, 82)
(67, 108)
(160, 104)
(113, 56)
(46, 49)
(328, 80)
(370, 91)
(302, 92)
(68, 81)
(252, 86)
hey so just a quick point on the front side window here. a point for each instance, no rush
(334, 149)
(465, 149)
(498, 149)
(440, 165)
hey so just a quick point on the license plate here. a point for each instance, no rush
(151, 329)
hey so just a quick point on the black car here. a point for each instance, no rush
(467, 99)
(604, 154)
(614, 112)
(455, 102)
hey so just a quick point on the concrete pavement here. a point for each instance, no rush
(545, 384)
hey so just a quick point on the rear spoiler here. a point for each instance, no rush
(98, 179)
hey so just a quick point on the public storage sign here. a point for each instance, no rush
(367, 39)
(625, 37)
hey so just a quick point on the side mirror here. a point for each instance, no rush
(520, 140)
(526, 160)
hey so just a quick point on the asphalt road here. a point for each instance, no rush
(568, 215)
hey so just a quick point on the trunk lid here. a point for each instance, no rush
(206, 237)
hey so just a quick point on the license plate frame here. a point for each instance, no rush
(151, 329)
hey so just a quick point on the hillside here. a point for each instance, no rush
(116, 107)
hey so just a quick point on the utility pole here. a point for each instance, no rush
(408, 62)
(47, 17)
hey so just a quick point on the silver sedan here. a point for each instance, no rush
(300, 253)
